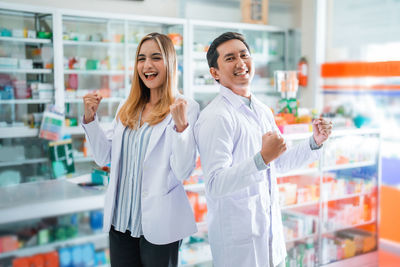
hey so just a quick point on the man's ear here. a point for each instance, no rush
(215, 73)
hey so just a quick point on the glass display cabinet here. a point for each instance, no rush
(26, 88)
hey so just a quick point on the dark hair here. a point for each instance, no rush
(212, 53)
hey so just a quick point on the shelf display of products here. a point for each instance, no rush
(26, 87)
(335, 206)
(93, 56)
(26, 66)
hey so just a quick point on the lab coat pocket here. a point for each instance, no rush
(245, 219)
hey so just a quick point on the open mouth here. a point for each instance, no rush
(150, 75)
(241, 73)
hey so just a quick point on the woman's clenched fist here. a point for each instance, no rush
(179, 114)
(91, 103)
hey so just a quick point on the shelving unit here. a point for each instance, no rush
(366, 179)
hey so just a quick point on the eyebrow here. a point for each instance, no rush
(154, 54)
(232, 54)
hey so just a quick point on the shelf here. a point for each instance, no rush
(83, 159)
(104, 100)
(298, 172)
(16, 132)
(46, 199)
(352, 131)
(33, 71)
(95, 72)
(74, 130)
(89, 43)
(347, 196)
(25, 40)
(335, 133)
(195, 187)
(25, 101)
(93, 238)
(299, 205)
(300, 238)
(348, 227)
(349, 166)
(298, 136)
(78, 130)
(23, 162)
(305, 204)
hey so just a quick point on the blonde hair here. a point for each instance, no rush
(140, 93)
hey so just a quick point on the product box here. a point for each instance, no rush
(25, 64)
(17, 33)
(100, 177)
(31, 34)
(8, 243)
(8, 62)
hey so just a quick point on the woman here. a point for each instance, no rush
(152, 149)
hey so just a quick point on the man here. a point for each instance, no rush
(241, 151)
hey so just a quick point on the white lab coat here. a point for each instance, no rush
(228, 135)
(170, 158)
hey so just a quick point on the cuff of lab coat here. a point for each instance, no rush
(260, 164)
(93, 125)
(313, 144)
(182, 135)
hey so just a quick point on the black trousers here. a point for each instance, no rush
(128, 251)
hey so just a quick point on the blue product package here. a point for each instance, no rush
(88, 255)
(96, 220)
(65, 257)
(100, 258)
(77, 256)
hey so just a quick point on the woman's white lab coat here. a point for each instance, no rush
(170, 158)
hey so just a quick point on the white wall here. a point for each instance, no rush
(210, 11)
(363, 31)
(282, 13)
(164, 8)
(308, 11)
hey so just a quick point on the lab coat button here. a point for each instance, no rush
(145, 193)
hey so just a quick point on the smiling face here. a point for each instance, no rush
(150, 65)
(235, 66)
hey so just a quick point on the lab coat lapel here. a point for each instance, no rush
(156, 134)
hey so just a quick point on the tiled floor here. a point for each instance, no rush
(387, 259)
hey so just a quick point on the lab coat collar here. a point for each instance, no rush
(233, 98)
